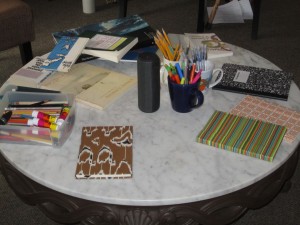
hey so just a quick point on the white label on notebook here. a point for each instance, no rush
(241, 76)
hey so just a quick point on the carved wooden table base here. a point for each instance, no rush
(217, 211)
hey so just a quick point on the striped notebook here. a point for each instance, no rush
(242, 135)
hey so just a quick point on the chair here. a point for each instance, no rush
(256, 11)
(16, 27)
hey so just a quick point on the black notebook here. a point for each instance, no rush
(255, 81)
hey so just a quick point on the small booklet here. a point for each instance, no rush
(106, 46)
(242, 135)
(105, 153)
(255, 81)
(31, 73)
(65, 53)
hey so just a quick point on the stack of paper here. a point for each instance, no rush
(233, 12)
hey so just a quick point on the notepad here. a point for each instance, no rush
(242, 135)
(105, 152)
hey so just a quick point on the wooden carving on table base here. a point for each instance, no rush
(216, 211)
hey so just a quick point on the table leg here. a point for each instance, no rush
(122, 8)
(201, 16)
(256, 12)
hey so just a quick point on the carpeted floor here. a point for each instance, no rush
(278, 41)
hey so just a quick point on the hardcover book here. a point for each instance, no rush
(105, 152)
(65, 53)
(242, 135)
(255, 81)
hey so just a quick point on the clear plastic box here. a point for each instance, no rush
(37, 135)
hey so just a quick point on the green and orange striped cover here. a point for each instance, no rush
(242, 135)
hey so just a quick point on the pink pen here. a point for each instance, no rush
(196, 78)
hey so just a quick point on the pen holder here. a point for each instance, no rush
(163, 71)
(185, 97)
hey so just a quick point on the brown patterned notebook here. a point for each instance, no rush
(105, 152)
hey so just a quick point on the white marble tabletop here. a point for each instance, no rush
(169, 166)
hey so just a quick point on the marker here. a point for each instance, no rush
(179, 71)
(192, 72)
(63, 115)
(44, 116)
(5, 117)
(196, 78)
(42, 123)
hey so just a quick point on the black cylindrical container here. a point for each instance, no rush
(148, 67)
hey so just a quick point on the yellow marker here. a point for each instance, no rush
(182, 81)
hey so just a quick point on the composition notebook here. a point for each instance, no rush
(105, 152)
(255, 81)
(242, 135)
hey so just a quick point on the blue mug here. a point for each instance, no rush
(185, 97)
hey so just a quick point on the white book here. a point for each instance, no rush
(65, 53)
(109, 47)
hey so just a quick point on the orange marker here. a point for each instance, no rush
(192, 73)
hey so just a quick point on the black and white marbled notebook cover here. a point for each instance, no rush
(261, 82)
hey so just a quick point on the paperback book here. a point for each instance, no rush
(93, 86)
(31, 73)
(109, 47)
(105, 153)
(255, 81)
(65, 53)
(216, 48)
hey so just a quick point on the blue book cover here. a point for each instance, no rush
(65, 53)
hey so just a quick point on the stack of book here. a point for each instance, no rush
(138, 33)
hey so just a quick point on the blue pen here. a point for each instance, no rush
(179, 71)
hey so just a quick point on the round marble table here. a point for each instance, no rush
(175, 179)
